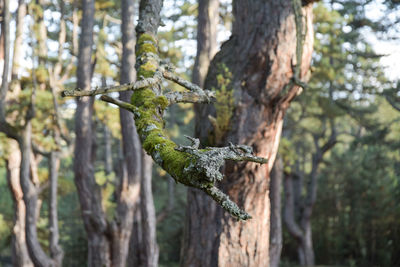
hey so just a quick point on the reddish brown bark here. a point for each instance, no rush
(260, 56)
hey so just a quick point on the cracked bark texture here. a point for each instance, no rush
(260, 55)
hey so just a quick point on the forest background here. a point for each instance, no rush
(338, 159)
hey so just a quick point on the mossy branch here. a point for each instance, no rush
(189, 165)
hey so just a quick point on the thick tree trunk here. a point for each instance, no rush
(88, 191)
(148, 215)
(193, 250)
(256, 64)
(20, 255)
(275, 187)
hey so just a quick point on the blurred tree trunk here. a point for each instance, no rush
(256, 66)
(31, 188)
(107, 150)
(275, 187)
(108, 164)
(129, 180)
(29, 183)
(193, 251)
(148, 215)
(207, 22)
(56, 251)
(298, 211)
(20, 255)
(88, 191)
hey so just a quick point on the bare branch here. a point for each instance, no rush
(182, 82)
(119, 103)
(227, 204)
(118, 88)
(190, 97)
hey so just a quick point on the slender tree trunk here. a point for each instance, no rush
(20, 254)
(129, 180)
(194, 251)
(30, 188)
(207, 22)
(56, 252)
(107, 150)
(259, 75)
(88, 191)
(21, 12)
(135, 243)
(5, 40)
(301, 229)
(149, 241)
(275, 187)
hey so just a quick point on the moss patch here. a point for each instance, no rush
(224, 104)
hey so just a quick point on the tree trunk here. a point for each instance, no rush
(88, 191)
(107, 150)
(194, 251)
(129, 180)
(275, 187)
(20, 255)
(259, 77)
(301, 229)
(149, 241)
(207, 22)
(21, 12)
(135, 243)
(56, 251)
(30, 188)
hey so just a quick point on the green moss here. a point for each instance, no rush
(149, 121)
(224, 104)
(146, 38)
(161, 101)
(146, 48)
(147, 69)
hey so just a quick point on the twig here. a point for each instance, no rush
(222, 199)
(119, 103)
(182, 82)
